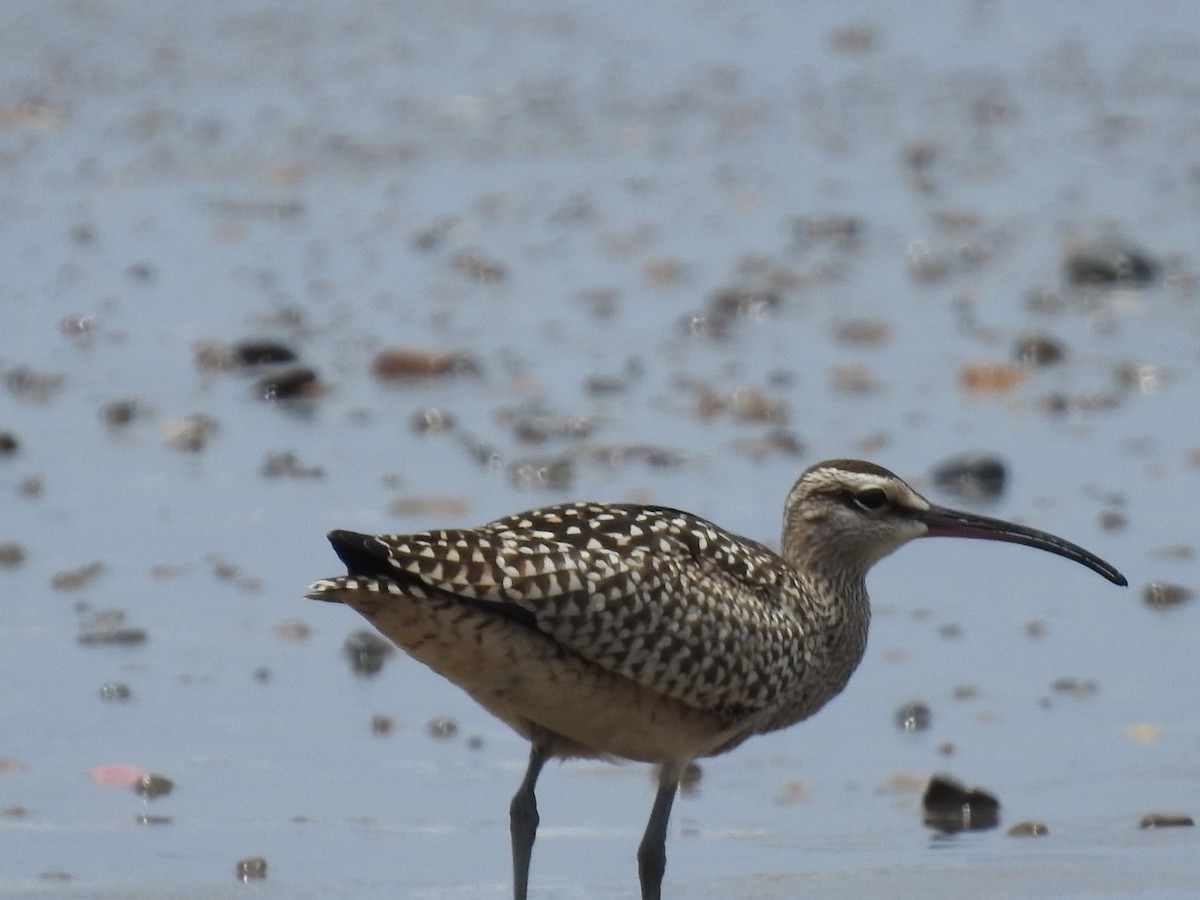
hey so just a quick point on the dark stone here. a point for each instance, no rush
(258, 353)
(1111, 263)
(295, 383)
(972, 476)
(1038, 350)
(951, 807)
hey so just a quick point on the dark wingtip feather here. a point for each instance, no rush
(362, 553)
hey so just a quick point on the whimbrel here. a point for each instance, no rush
(646, 633)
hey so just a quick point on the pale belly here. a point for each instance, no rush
(541, 690)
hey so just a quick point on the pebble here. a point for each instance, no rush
(120, 413)
(31, 486)
(430, 237)
(152, 786)
(431, 420)
(252, 868)
(972, 476)
(124, 775)
(950, 806)
(853, 380)
(914, 716)
(536, 427)
(755, 406)
(729, 305)
(258, 353)
(614, 456)
(141, 271)
(293, 383)
(399, 363)
(1038, 350)
(190, 433)
(1075, 687)
(430, 507)
(1142, 378)
(108, 627)
(862, 332)
(555, 474)
(794, 791)
(990, 377)
(689, 779)
(1166, 820)
(11, 554)
(1165, 595)
(367, 652)
(382, 725)
(1144, 733)
(840, 229)
(1110, 262)
(1028, 829)
(115, 690)
(776, 442)
(478, 266)
(293, 630)
(218, 357)
(442, 728)
(27, 384)
(8, 443)
(285, 464)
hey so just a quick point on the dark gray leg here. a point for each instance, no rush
(652, 853)
(523, 822)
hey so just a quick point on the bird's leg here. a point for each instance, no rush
(523, 822)
(652, 852)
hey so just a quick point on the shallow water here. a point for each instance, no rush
(342, 180)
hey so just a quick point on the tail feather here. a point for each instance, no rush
(363, 554)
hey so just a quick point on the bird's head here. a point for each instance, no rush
(846, 515)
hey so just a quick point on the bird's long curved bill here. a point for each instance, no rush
(944, 522)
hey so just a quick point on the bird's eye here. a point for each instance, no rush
(871, 498)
